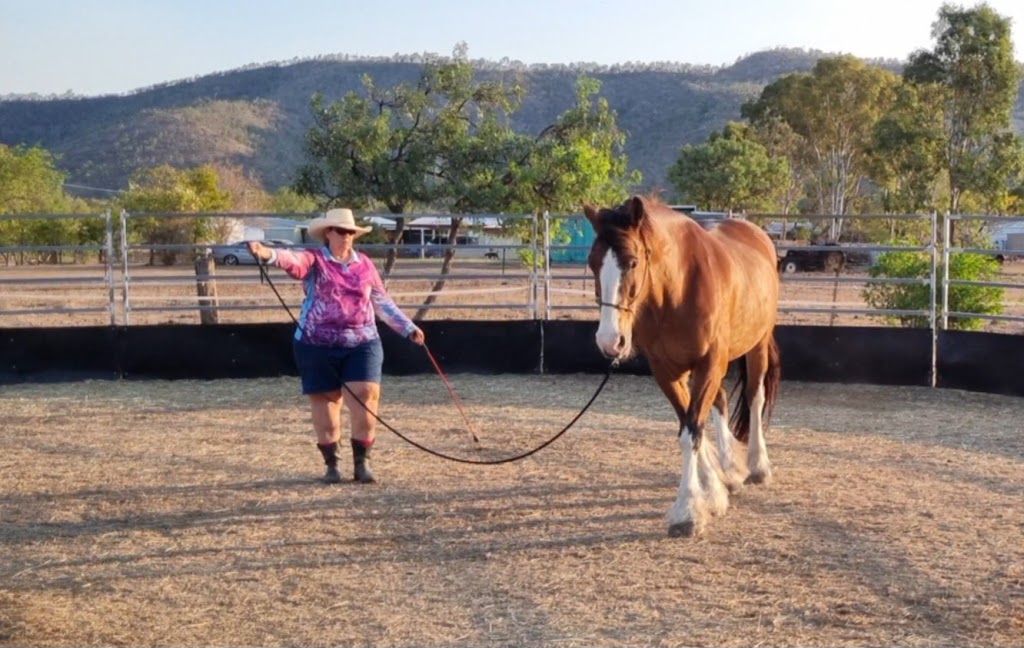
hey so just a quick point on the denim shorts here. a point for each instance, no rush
(324, 369)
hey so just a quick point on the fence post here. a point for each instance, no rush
(947, 237)
(933, 377)
(125, 299)
(206, 289)
(108, 270)
(534, 269)
(547, 265)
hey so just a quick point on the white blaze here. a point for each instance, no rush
(608, 332)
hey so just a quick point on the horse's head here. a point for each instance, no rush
(619, 259)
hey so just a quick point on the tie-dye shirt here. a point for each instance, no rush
(341, 298)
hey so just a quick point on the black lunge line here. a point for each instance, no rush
(479, 462)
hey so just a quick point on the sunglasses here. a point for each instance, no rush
(338, 230)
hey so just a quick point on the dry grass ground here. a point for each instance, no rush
(188, 514)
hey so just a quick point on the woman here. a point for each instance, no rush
(337, 341)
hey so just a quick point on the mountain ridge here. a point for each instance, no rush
(255, 117)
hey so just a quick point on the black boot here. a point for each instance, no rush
(361, 458)
(330, 454)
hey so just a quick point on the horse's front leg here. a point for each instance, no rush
(701, 489)
(686, 517)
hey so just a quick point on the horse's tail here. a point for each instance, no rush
(739, 422)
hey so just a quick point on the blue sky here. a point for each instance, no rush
(111, 46)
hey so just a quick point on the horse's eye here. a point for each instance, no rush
(632, 263)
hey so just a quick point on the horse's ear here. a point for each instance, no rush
(591, 213)
(637, 209)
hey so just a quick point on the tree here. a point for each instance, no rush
(447, 143)
(731, 171)
(834, 110)
(167, 189)
(905, 155)
(245, 193)
(286, 201)
(31, 183)
(972, 66)
(397, 146)
(580, 157)
(997, 175)
(780, 141)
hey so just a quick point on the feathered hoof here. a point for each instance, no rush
(688, 529)
(758, 478)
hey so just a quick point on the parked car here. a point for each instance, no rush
(238, 253)
(1010, 246)
(798, 260)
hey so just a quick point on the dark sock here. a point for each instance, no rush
(330, 452)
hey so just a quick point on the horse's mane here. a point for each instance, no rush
(616, 223)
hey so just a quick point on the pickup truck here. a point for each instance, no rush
(798, 260)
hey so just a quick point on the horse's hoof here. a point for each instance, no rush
(734, 488)
(686, 529)
(759, 478)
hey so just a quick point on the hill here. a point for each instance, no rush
(255, 118)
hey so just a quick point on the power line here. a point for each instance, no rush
(78, 186)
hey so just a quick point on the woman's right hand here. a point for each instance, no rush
(258, 250)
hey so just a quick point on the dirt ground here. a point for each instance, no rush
(189, 514)
(476, 289)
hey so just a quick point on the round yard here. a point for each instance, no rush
(189, 513)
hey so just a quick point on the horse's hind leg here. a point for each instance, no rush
(733, 473)
(760, 469)
(713, 478)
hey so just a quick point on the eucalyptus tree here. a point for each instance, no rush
(397, 146)
(578, 157)
(996, 177)
(31, 183)
(833, 109)
(171, 190)
(906, 151)
(286, 201)
(972, 67)
(731, 171)
(780, 141)
(447, 143)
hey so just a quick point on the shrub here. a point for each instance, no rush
(987, 300)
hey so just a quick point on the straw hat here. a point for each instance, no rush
(341, 218)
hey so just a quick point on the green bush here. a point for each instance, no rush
(987, 300)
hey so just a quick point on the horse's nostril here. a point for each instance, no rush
(622, 341)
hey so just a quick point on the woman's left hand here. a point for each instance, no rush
(418, 337)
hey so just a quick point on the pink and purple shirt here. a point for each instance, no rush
(341, 298)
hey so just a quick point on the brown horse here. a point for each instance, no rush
(691, 300)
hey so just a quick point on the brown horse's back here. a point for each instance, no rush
(755, 284)
(732, 266)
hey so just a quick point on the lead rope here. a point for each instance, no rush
(479, 462)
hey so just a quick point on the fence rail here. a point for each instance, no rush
(120, 278)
